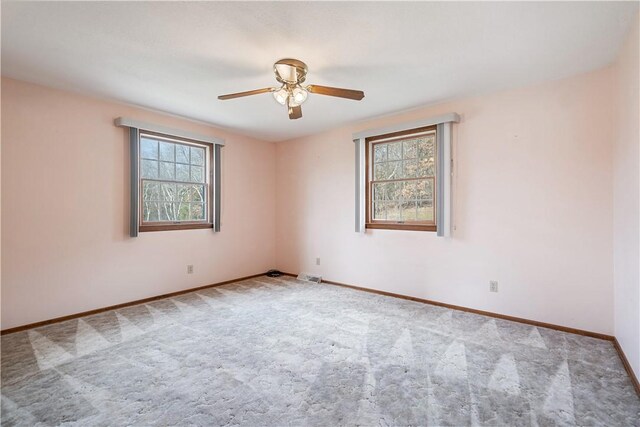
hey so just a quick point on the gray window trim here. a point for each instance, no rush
(217, 186)
(444, 174)
(134, 157)
(135, 177)
(360, 185)
(440, 180)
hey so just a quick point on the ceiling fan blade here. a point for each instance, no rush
(247, 93)
(295, 112)
(336, 91)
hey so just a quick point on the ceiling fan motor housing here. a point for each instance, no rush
(290, 71)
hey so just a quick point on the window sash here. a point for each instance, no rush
(373, 202)
(207, 221)
(370, 144)
(204, 203)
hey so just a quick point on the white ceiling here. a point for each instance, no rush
(177, 57)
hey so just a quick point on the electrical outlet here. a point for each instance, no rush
(189, 269)
(317, 261)
(493, 286)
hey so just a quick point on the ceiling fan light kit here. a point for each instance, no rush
(291, 73)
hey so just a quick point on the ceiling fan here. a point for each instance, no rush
(292, 73)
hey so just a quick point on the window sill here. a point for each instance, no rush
(405, 227)
(169, 227)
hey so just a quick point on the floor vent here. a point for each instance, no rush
(308, 277)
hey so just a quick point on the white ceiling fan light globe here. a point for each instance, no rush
(281, 95)
(299, 95)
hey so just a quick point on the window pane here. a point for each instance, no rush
(410, 190)
(387, 190)
(425, 189)
(182, 172)
(425, 210)
(380, 191)
(182, 210)
(197, 193)
(197, 211)
(150, 191)
(380, 171)
(387, 170)
(148, 148)
(167, 211)
(408, 210)
(410, 168)
(394, 150)
(150, 211)
(183, 193)
(393, 211)
(167, 192)
(197, 174)
(379, 153)
(426, 146)
(182, 153)
(426, 167)
(379, 210)
(167, 170)
(167, 151)
(149, 169)
(410, 148)
(197, 156)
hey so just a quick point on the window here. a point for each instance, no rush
(401, 180)
(175, 183)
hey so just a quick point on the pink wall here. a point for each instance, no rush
(532, 209)
(532, 202)
(626, 201)
(65, 206)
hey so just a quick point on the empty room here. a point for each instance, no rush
(320, 213)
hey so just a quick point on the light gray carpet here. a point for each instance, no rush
(282, 352)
